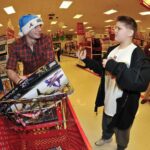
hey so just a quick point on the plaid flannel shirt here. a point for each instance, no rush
(32, 60)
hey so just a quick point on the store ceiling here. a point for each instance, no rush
(92, 10)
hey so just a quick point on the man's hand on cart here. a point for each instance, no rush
(22, 78)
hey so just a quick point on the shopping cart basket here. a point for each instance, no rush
(45, 136)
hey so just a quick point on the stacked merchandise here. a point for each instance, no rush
(6, 84)
(38, 98)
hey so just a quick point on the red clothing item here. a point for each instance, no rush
(20, 51)
(147, 50)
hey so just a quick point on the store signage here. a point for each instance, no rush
(80, 28)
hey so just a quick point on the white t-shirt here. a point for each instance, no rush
(112, 91)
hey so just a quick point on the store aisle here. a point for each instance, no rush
(86, 85)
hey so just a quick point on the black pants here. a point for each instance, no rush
(122, 136)
(1, 85)
(58, 55)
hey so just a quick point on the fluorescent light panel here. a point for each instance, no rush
(64, 27)
(39, 15)
(9, 10)
(88, 27)
(77, 16)
(65, 4)
(138, 20)
(71, 30)
(109, 20)
(49, 30)
(53, 22)
(109, 12)
(145, 13)
(85, 23)
(107, 26)
(1, 25)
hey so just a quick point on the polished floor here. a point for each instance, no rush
(85, 85)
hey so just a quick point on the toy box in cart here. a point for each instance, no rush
(47, 80)
(37, 115)
(38, 98)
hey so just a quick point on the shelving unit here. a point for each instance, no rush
(94, 48)
(70, 48)
(4, 44)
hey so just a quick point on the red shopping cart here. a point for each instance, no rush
(45, 136)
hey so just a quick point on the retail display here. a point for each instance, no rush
(70, 48)
(4, 43)
(93, 47)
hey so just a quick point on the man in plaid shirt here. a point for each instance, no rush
(33, 49)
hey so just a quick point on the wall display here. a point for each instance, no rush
(80, 28)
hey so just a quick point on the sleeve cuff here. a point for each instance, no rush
(111, 65)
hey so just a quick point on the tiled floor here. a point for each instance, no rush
(83, 98)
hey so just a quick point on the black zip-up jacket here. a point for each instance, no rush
(132, 81)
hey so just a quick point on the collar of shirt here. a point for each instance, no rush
(24, 42)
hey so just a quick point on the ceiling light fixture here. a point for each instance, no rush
(39, 16)
(65, 4)
(107, 26)
(53, 22)
(64, 27)
(145, 13)
(110, 20)
(71, 30)
(85, 23)
(9, 10)
(77, 16)
(137, 21)
(88, 27)
(109, 12)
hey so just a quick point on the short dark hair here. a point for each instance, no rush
(130, 22)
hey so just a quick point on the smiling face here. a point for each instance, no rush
(35, 33)
(123, 32)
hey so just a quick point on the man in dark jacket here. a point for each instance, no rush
(125, 73)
